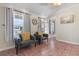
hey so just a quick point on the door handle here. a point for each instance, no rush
(3, 24)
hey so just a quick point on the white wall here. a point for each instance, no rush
(68, 32)
(27, 23)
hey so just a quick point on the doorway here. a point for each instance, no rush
(52, 27)
(45, 26)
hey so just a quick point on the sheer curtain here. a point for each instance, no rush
(9, 26)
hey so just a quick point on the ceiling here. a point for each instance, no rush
(39, 9)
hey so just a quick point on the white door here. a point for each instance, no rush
(2, 30)
(2, 27)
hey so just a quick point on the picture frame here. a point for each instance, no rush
(67, 19)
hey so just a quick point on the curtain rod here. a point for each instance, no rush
(21, 11)
(18, 10)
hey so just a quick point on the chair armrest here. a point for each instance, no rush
(17, 42)
(33, 37)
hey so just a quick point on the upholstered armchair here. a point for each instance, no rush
(44, 36)
(24, 40)
(38, 38)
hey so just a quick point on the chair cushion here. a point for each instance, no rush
(26, 36)
(26, 43)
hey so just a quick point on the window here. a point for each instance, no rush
(18, 23)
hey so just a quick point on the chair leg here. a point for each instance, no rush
(35, 44)
(47, 39)
(17, 50)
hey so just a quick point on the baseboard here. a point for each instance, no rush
(75, 43)
(7, 48)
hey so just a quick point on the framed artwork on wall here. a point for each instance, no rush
(67, 19)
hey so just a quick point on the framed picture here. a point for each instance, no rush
(67, 19)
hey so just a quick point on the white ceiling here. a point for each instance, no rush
(39, 9)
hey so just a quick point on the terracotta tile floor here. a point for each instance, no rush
(52, 48)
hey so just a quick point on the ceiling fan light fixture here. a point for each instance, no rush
(56, 3)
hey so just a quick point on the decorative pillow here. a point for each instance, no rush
(26, 36)
(40, 33)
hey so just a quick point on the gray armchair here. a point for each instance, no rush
(19, 43)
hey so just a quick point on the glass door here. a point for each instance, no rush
(52, 27)
(45, 26)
